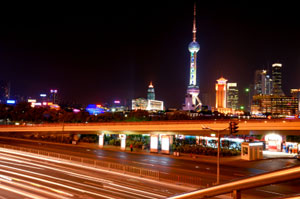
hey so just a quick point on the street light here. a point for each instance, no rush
(247, 90)
(218, 157)
(233, 126)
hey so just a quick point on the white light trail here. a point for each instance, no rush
(65, 162)
(33, 189)
(130, 192)
(50, 182)
(21, 165)
(20, 192)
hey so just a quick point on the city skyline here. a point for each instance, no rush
(100, 58)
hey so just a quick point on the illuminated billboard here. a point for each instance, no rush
(10, 101)
(101, 140)
(155, 105)
(123, 141)
(154, 143)
(165, 144)
(95, 109)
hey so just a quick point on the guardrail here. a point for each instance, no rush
(236, 187)
(120, 168)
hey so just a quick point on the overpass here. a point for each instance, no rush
(290, 127)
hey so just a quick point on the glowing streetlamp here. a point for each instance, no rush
(247, 91)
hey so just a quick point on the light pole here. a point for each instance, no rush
(219, 142)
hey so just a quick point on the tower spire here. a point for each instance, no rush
(194, 24)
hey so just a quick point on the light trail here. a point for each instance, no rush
(50, 182)
(21, 165)
(85, 177)
(131, 189)
(123, 189)
(90, 178)
(63, 171)
(42, 186)
(181, 187)
(32, 188)
(130, 192)
(21, 192)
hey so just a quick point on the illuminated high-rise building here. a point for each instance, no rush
(275, 105)
(260, 81)
(53, 95)
(221, 91)
(296, 94)
(269, 85)
(192, 101)
(276, 76)
(232, 96)
(151, 93)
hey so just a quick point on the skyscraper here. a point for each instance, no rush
(260, 81)
(232, 96)
(192, 101)
(151, 93)
(221, 91)
(276, 76)
(4, 91)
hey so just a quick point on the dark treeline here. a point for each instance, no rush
(23, 112)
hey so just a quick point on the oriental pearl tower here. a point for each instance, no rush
(192, 101)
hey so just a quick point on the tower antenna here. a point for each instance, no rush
(194, 24)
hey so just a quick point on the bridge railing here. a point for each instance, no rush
(117, 167)
(236, 187)
(151, 122)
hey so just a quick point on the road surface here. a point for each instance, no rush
(29, 176)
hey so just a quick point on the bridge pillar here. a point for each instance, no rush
(236, 194)
(123, 141)
(154, 143)
(101, 140)
(165, 144)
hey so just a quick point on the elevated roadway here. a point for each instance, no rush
(291, 127)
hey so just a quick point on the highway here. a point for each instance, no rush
(28, 176)
(180, 166)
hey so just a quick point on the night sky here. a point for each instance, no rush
(112, 51)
